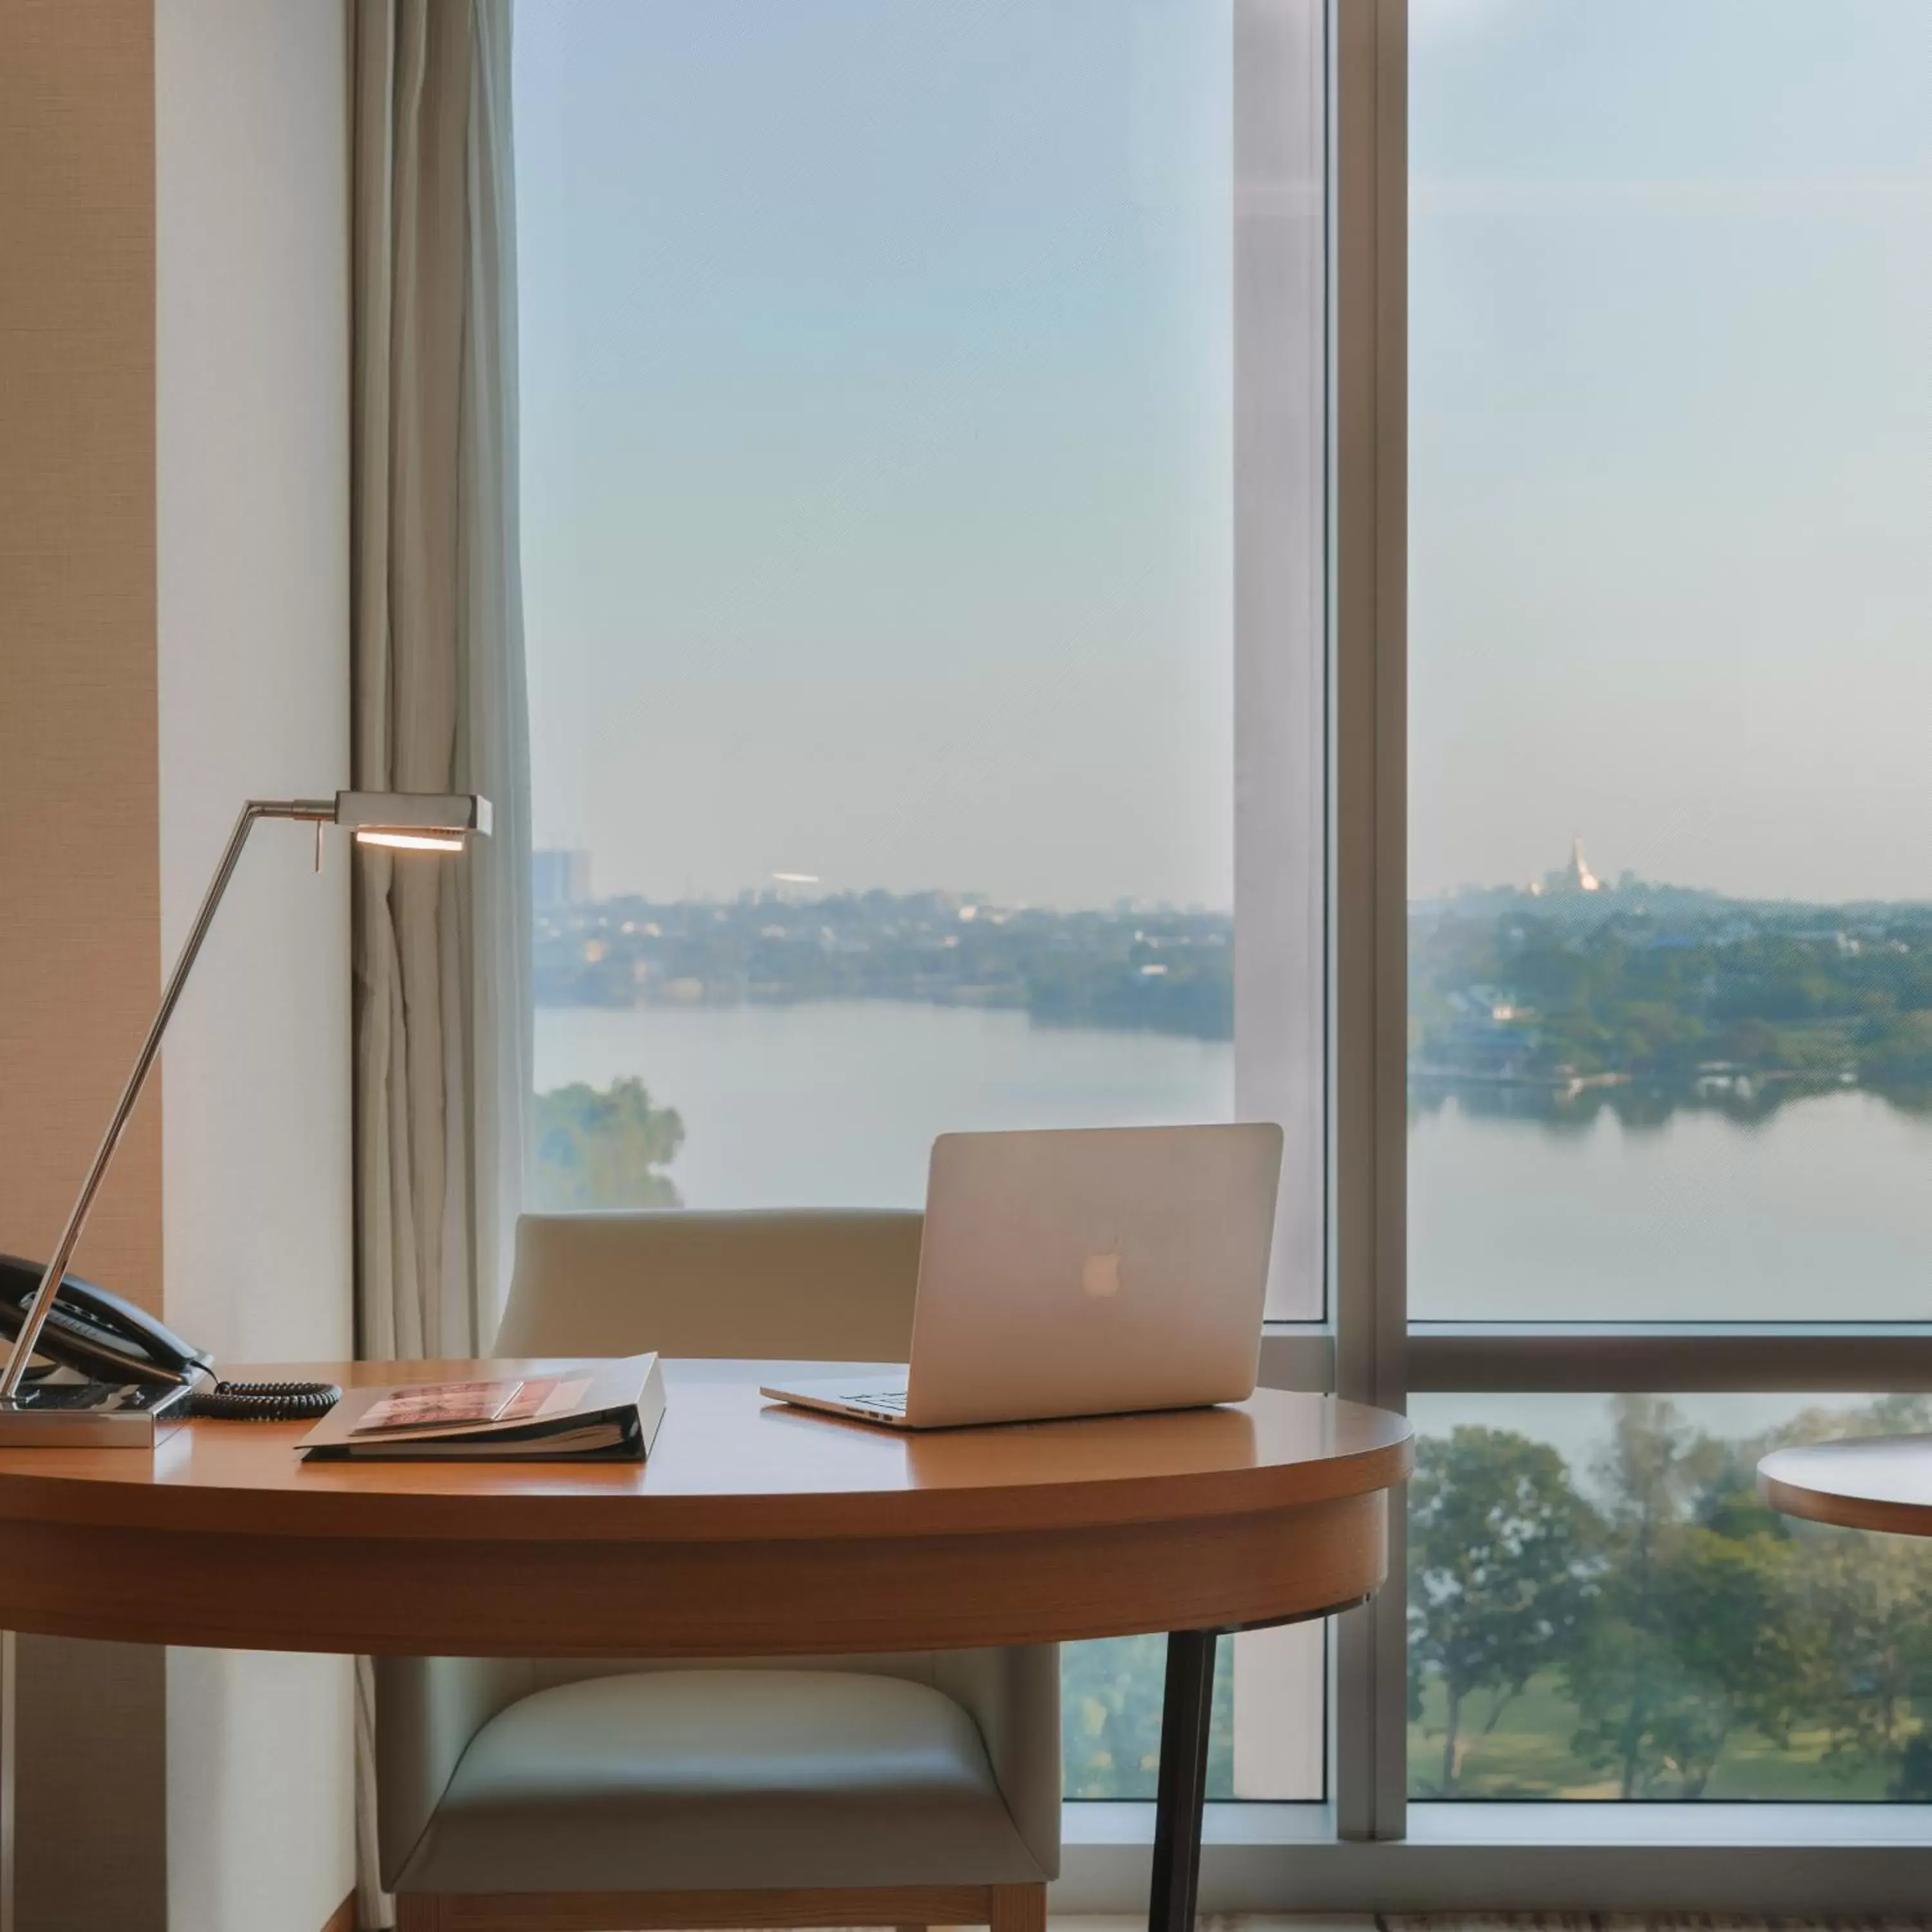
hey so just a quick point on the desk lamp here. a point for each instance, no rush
(104, 1414)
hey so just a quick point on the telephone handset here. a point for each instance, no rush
(104, 1337)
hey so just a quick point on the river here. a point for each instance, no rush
(1821, 1211)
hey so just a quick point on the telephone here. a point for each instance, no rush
(104, 1336)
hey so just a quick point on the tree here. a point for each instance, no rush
(1111, 1692)
(1870, 1664)
(1868, 1678)
(1499, 1542)
(1722, 1620)
(1694, 1632)
(602, 1149)
(1865, 1665)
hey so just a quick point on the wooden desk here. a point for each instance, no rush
(754, 1529)
(1878, 1482)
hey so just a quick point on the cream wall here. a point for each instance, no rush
(252, 409)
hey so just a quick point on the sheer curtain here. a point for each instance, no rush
(442, 1029)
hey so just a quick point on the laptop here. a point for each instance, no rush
(1085, 1273)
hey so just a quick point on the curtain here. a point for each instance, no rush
(442, 948)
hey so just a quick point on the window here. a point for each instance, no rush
(1600, 1607)
(877, 456)
(878, 372)
(1671, 942)
(987, 468)
(1669, 923)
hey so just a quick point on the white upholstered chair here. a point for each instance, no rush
(529, 1795)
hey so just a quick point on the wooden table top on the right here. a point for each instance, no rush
(1877, 1482)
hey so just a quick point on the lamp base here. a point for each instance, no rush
(93, 1415)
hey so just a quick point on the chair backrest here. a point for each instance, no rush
(833, 1285)
(802, 1285)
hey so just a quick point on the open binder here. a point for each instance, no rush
(599, 1411)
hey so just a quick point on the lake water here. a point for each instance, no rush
(1821, 1211)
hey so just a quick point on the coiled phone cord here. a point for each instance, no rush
(265, 1401)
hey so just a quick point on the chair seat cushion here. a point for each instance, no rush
(720, 1780)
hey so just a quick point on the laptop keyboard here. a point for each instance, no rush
(890, 1402)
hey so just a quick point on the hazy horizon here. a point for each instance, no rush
(876, 444)
(793, 891)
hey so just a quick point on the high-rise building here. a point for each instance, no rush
(560, 877)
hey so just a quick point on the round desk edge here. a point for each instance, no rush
(588, 1561)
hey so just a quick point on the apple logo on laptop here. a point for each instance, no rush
(1100, 1276)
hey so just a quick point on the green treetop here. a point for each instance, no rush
(1498, 1547)
(603, 1150)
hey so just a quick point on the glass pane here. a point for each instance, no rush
(1266, 1740)
(1670, 889)
(1600, 1607)
(877, 537)
(1110, 1705)
(877, 467)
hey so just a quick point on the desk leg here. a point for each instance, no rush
(1186, 1711)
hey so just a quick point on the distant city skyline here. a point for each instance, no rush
(877, 512)
(553, 867)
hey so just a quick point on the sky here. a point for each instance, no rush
(1671, 442)
(876, 441)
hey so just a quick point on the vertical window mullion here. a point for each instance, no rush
(1280, 378)
(1368, 954)
(1280, 640)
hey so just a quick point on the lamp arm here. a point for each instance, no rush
(320, 810)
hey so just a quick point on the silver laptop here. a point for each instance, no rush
(1087, 1273)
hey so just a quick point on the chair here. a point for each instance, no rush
(530, 1795)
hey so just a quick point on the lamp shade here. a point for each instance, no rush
(413, 821)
